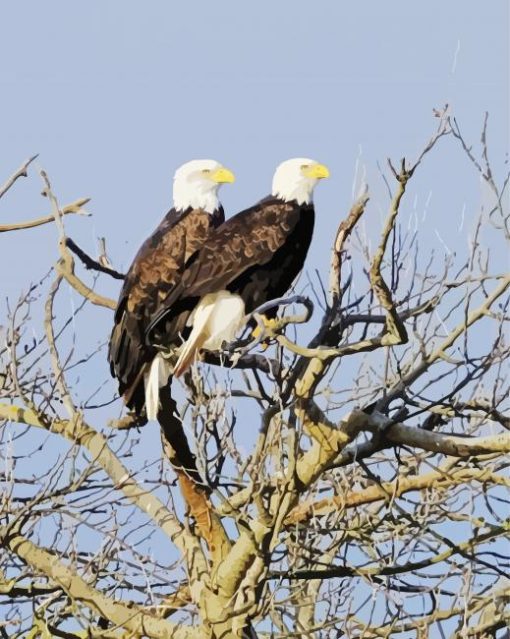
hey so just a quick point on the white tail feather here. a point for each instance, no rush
(156, 378)
(196, 339)
(216, 319)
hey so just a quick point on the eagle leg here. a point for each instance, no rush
(264, 330)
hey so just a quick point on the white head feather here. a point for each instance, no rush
(196, 185)
(296, 179)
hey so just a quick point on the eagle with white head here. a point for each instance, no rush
(252, 258)
(138, 336)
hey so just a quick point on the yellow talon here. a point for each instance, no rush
(269, 326)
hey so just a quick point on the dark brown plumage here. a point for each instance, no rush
(256, 254)
(154, 273)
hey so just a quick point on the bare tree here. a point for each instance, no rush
(355, 486)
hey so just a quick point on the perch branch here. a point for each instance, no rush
(193, 489)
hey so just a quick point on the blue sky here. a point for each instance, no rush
(115, 95)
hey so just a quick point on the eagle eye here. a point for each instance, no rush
(206, 171)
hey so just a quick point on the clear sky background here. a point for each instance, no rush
(115, 94)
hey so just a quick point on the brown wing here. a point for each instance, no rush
(257, 254)
(156, 269)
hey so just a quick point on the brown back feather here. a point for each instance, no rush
(257, 253)
(156, 269)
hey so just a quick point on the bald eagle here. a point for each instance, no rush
(156, 271)
(250, 259)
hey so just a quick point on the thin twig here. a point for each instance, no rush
(21, 172)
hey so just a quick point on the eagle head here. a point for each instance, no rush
(296, 179)
(196, 185)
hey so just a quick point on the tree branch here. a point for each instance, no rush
(129, 617)
(65, 265)
(437, 479)
(78, 432)
(90, 263)
(74, 207)
(342, 234)
(21, 172)
(351, 571)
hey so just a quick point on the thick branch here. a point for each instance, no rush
(12, 588)
(131, 618)
(437, 479)
(328, 439)
(78, 432)
(193, 489)
(454, 445)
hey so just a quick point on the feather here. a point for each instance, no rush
(156, 378)
(215, 320)
(155, 271)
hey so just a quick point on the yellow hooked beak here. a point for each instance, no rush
(316, 171)
(222, 175)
